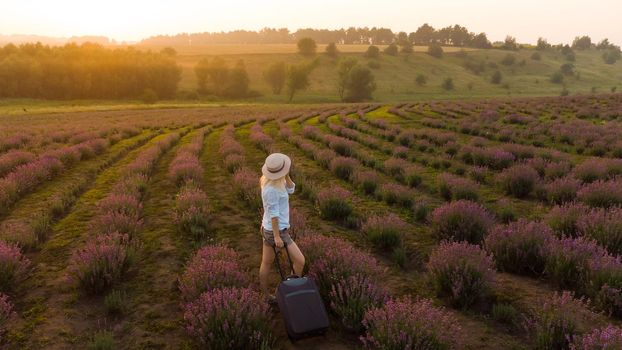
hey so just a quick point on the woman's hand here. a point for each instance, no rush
(278, 242)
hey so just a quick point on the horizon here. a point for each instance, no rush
(139, 20)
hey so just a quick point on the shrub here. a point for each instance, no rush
(421, 211)
(435, 50)
(557, 77)
(6, 312)
(568, 265)
(496, 77)
(563, 219)
(102, 262)
(393, 193)
(404, 324)
(412, 177)
(246, 184)
(192, 211)
(385, 232)
(462, 272)
(509, 59)
(391, 50)
(421, 79)
(343, 167)
(112, 221)
(557, 321)
(14, 158)
(591, 170)
(367, 180)
(229, 318)
(555, 170)
(520, 247)
(396, 167)
(448, 84)
(604, 226)
(401, 152)
(324, 156)
(13, 266)
(185, 167)
(518, 180)
(306, 46)
(601, 193)
(118, 203)
(333, 203)
(455, 187)
(134, 185)
(210, 268)
(333, 260)
(562, 190)
(342, 146)
(461, 221)
(479, 173)
(372, 52)
(352, 297)
(606, 338)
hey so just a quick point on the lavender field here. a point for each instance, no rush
(479, 224)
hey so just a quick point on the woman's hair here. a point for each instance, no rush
(279, 183)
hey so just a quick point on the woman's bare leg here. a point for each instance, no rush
(267, 258)
(297, 258)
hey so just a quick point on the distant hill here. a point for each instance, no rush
(524, 72)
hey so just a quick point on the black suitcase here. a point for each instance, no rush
(300, 303)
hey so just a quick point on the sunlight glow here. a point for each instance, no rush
(557, 20)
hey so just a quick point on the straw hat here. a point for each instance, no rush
(276, 166)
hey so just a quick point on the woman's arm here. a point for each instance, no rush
(277, 234)
(289, 184)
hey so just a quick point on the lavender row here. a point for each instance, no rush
(112, 245)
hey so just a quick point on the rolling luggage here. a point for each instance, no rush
(300, 303)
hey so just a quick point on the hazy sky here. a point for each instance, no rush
(557, 20)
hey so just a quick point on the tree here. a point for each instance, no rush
(536, 56)
(238, 81)
(297, 79)
(435, 50)
(402, 38)
(424, 35)
(218, 73)
(567, 69)
(611, 56)
(508, 60)
(542, 44)
(307, 47)
(372, 52)
(149, 96)
(582, 43)
(421, 79)
(355, 82)
(509, 43)
(407, 48)
(391, 50)
(201, 70)
(496, 77)
(275, 76)
(557, 78)
(169, 51)
(331, 50)
(343, 74)
(360, 84)
(481, 41)
(448, 84)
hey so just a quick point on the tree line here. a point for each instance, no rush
(86, 71)
(452, 35)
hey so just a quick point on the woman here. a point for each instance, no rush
(276, 186)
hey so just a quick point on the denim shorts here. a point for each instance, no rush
(268, 236)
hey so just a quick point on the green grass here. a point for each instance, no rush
(395, 78)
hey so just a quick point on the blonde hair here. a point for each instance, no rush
(279, 183)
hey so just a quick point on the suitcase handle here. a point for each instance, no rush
(278, 264)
